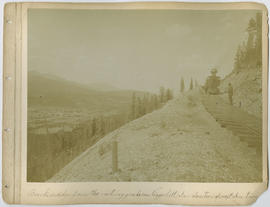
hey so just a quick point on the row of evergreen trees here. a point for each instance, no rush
(140, 105)
(249, 53)
(149, 102)
(101, 125)
(191, 85)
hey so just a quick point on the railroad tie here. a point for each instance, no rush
(243, 125)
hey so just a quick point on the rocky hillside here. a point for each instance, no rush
(247, 85)
(179, 142)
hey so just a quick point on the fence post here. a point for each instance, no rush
(114, 156)
(47, 129)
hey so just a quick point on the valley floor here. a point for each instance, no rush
(180, 142)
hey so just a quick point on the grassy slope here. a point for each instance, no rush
(179, 142)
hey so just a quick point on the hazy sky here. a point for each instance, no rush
(134, 49)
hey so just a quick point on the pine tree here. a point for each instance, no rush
(94, 127)
(147, 103)
(102, 126)
(251, 42)
(144, 105)
(168, 94)
(162, 94)
(139, 107)
(243, 55)
(155, 102)
(237, 60)
(182, 86)
(191, 85)
(133, 105)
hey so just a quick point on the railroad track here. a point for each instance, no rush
(246, 126)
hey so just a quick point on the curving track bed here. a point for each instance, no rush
(246, 126)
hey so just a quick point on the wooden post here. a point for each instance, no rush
(47, 129)
(114, 156)
(47, 126)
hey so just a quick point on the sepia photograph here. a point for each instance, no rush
(163, 95)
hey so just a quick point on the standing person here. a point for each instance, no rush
(230, 93)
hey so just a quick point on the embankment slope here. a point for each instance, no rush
(180, 142)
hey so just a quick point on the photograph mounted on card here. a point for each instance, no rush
(134, 103)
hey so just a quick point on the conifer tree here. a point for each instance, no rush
(168, 94)
(94, 127)
(139, 107)
(144, 105)
(237, 60)
(133, 105)
(147, 103)
(152, 103)
(162, 94)
(182, 86)
(102, 126)
(191, 84)
(250, 56)
(155, 102)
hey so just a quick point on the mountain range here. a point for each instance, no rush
(52, 91)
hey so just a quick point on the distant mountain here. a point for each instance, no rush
(102, 87)
(52, 91)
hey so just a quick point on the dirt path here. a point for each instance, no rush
(180, 142)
